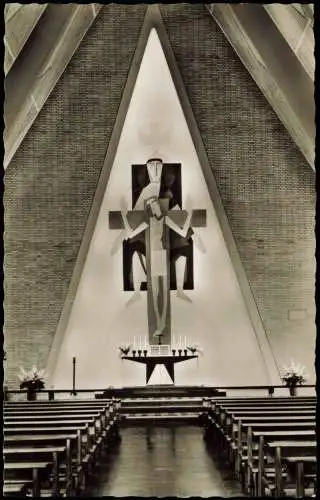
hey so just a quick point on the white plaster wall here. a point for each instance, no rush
(217, 319)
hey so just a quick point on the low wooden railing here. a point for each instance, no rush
(52, 394)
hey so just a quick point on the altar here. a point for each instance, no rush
(166, 355)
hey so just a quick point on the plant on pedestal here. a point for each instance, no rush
(33, 381)
(270, 391)
(5, 384)
(293, 376)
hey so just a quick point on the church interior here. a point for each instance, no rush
(159, 250)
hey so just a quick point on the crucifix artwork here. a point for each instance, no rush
(157, 236)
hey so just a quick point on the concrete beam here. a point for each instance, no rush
(308, 9)
(20, 21)
(10, 9)
(273, 66)
(297, 30)
(30, 82)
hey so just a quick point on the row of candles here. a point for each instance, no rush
(178, 342)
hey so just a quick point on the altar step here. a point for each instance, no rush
(162, 402)
(169, 406)
(160, 391)
(163, 418)
(160, 410)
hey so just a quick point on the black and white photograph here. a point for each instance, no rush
(159, 250)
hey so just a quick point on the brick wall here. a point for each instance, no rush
(50, 183)
(265, 184)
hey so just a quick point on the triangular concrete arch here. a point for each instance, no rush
(153, 20)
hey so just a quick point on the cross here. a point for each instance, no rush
(137, 217)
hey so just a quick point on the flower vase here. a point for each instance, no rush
(180, 352)
(173, 352)
(186, 352)
(134, 353)
(139, 353)
(145, 352)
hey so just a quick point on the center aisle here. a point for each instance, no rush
(163, 461)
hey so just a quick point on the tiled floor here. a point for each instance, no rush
(162, 461)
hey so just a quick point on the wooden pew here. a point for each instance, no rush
(25, 441)
(255, 399)
(221, 410)
(32, 472)
(226, 424)
(59, 401)
(57, 408)
(40, 417)
(49, 454)
(49, 417)
(15, 431)
(279, 452)
(27, 407)
(289, 448)
(254, 437)
(230, 418)
(238, 438)
(289, 401)
(38, 438)
(302, 464)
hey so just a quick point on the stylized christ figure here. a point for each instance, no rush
(163, 183)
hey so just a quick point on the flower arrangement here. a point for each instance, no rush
(195, 349)
(293, 376)
(32, 380)
(124, 350)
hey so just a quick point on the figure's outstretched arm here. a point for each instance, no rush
(181, 231)
(130, 233)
